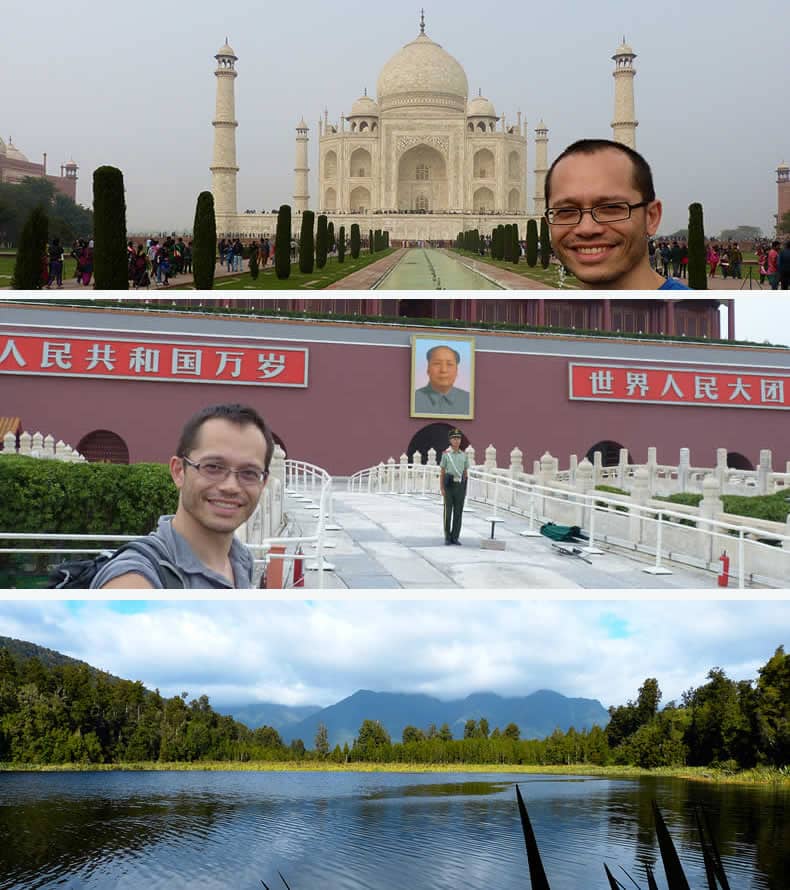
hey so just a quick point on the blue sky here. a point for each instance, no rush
(133, 86)
(319, 652)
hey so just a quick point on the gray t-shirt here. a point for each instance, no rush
(174, 549)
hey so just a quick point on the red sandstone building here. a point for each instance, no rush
(14, 167)
(118, 384)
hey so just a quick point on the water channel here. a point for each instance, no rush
(385, 831)
(426, 268)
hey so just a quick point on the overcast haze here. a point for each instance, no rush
(317, 653)
(132, 85)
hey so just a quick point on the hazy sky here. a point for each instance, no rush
(132, 85)
(320, 652)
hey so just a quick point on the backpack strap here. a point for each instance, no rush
(170, 577)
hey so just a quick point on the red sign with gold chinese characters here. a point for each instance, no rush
(679, 386)
(118, 358)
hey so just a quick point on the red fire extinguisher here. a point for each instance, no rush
(724, 577)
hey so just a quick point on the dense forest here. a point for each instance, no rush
(69, 712)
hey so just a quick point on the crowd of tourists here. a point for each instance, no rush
(669, 258)
(158, 261)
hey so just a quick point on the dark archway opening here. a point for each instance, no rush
(415, 308)
(435, 435)
(610, 453)
(736, 461)
(103, 446)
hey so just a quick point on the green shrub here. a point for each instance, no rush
(697, 267)
(532, 243)
(356, 241)
(28, 268)
(306, 243)
(371, 243)
(204, 246)
(110, 259)
(83, 498)
(321, 242)
(545, 243)
(282, 244)
(341, 245)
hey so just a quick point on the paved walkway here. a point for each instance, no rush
(366, 279)
(396, 542)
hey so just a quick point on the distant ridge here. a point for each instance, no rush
(537, 715)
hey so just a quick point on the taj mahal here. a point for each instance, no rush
(422, 160)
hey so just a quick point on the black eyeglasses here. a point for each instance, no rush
(613, 211)
(219, 472)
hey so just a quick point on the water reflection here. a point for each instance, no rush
(353, 830)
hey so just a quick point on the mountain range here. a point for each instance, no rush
(537, 715)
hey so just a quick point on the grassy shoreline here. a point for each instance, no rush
(762, 777)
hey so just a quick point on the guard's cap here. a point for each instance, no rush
(455, 434)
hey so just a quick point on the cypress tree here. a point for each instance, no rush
(387, 239)
(481, 246)
(516, 246)
(371, 244)
(532, 243)
(697, 268)
(204, 247)
(254, 262)
(545, 243)
(31, 253)
(356, 241)
(321, 242)
(282, 243)
(501, 242)
(341, 245)
(507, 246)
(330, 237)
(110, 259)
(307, 243)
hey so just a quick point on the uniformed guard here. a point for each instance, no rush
(454, 472)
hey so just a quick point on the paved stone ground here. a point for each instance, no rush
(397, 542)
(366, 278)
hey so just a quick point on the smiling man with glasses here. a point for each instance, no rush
(602, 211)
(220, 469)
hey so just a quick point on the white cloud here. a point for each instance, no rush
(300, 653)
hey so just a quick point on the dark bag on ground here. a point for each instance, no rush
(563, 532)
(78, 573)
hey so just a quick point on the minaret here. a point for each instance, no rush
(782, 196)
(624, 124)
(541, 166)
(301, 194)
(223, 166)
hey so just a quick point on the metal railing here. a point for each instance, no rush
(666, 533)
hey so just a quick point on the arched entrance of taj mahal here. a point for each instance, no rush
(422, 180)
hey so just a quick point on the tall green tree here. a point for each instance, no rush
(30, 256)
(773, 709)
(204, 242)
(371, 242)
(532, 243)
(516, 249)
(306, 243)
(330, 236)
(356, 241)
(110, 258)
(545, 243)
(341, 245)
(697, 265)
(282, 244)
(322, 740)
(321, 241)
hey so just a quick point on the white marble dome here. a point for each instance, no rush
(481, 107)
(422, 73)
(14, 153)
(364, 107)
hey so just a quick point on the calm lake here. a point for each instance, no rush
(158, 830)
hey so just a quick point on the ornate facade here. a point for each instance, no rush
(421, 160)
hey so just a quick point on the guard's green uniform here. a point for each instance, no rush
(454, 465)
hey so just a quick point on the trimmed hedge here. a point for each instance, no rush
(282, 243)
(204, 242)
(83, 498)
(307, 243)
(110, 258)
(28, 269)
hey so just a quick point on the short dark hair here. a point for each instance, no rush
(433, 349)
(642, 174)
(241, 415)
